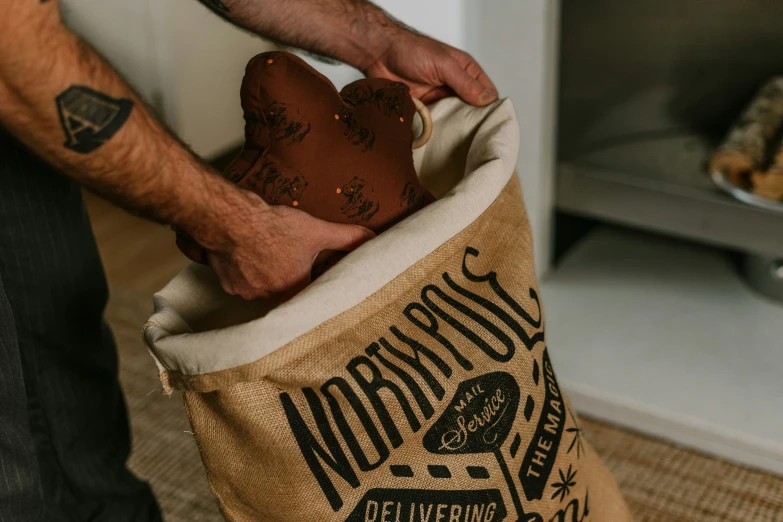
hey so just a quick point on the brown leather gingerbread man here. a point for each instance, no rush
(342, 156)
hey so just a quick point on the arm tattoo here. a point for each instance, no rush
(90, 118)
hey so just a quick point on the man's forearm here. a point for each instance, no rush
(353, 31)
(69, 106)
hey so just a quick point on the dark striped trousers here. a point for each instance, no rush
(64, 433)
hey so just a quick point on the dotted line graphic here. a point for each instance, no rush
(478, 472)
(401, 471)
(438, 471)
(515, 446)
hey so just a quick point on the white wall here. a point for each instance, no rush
(516, 44)
(201, 60)
(120, 30)
(440, 19)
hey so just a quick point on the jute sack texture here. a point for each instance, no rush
(410, 383)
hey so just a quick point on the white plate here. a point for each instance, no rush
(745, 196)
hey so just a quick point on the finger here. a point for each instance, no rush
(466, 86)
(343, 237)
(472, 67)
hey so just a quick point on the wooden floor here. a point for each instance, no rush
(661, 483)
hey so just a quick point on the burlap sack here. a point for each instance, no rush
(410, 383)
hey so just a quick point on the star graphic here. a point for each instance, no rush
(577, 431)
(563, 488)
(577, 441)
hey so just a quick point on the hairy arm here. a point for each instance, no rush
(68, 105)
(361, 34)
(352, 31)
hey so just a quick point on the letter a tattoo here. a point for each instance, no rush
(90, 118)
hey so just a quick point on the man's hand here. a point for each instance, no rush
(270, 250)
(433, 70)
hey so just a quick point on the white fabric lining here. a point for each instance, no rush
(467, 163)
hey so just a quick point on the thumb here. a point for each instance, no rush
(344, 237)
(467, 87)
